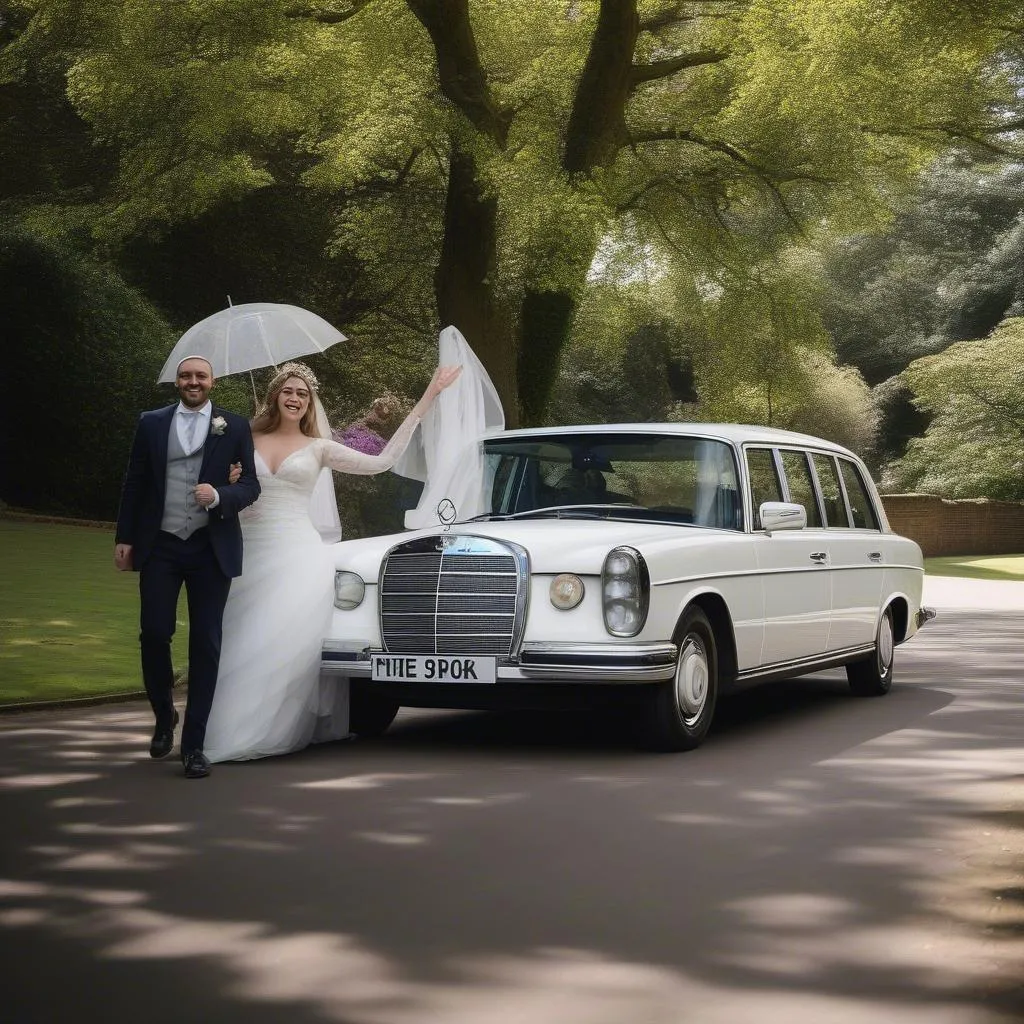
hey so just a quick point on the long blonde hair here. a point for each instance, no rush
(268, 416)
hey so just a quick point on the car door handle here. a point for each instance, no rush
(875, 556)
(819, 556)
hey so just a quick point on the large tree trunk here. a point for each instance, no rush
(465, 275)
(594, 135)
(596, 127)
(522, 366)
(462, 281)
(544, 325)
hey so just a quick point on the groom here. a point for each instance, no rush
(178, 523)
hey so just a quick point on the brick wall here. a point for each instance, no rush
(975, 526)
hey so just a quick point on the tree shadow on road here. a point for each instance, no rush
(803, 864)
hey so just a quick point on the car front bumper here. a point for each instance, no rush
(537, 662)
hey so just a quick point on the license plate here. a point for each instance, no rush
(432, 668)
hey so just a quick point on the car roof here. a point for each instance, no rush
(732, 433)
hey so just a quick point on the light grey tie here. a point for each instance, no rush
(190, 431)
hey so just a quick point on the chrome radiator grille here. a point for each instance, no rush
(453, 594)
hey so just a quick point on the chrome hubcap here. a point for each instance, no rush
(885, 645)
(692, 679)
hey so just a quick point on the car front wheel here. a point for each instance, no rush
(872, 676)
(678, 714)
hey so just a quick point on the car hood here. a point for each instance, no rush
(554, 545)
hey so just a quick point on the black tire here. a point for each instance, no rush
(370, 714)
(677, 714)
(872, 676)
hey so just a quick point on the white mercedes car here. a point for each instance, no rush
(656, 565)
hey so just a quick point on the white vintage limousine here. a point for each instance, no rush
(656, 564)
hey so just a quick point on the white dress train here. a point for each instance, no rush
(268, 699)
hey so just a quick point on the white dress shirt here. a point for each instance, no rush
(183, 418)
(182, 423)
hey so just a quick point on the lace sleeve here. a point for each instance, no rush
(343, 459)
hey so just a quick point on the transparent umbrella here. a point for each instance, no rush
(252, 335)
(255, 334)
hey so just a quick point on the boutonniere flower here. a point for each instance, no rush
(218, 425)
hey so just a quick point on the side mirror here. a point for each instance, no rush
(782, 515)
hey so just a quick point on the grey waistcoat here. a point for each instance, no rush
(182, 514)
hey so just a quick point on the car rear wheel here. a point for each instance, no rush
(678, 714)
(872, 676)
(370, 714)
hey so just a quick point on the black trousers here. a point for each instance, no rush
(172, 563)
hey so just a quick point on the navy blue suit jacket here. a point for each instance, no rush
(145, 481)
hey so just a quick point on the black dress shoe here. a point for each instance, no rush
(163, 738)
(196, 765)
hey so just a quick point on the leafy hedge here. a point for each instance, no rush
(82, 351)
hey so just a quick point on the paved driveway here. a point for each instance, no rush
(821, 859)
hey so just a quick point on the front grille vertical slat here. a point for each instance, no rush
(453, 594)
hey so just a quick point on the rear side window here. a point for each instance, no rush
(861, 508)
(764, 481)
(801, 484)
(831, 491)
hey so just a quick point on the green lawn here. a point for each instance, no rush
(978, 567)
(69, 622)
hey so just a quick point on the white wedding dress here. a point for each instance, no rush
(268, 698)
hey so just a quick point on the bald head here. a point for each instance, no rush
(201, 359)
(194, 380)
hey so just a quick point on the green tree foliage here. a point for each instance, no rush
(678, 349)
(81, 350)
(50, 157)
(946, 269)
(485, 148)
(974, 446)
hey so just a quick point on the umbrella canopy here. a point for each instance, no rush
(254, 334)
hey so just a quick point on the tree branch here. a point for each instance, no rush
(682, 135)
(769, 179)
(954, 128)
(407, 167)
(1007, 411)
(664, 68)
(679, 13)
(1005, 126)
(462, 76)
(663, 19)
(326, 15)
(928, 133)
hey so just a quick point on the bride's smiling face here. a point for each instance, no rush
(293, 400)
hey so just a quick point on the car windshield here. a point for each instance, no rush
(654, 477)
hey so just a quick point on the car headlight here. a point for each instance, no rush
(349, 590)
(566, 591)
(625, 591)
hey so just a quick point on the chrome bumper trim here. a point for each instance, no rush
(538, 662)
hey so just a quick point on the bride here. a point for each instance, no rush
(267, 698)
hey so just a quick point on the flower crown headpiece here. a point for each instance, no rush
(298, 370)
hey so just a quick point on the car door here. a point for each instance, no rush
(855, 549)
(793, 563)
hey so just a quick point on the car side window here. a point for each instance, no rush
(861, 507)
(801, 484)
(764, 480)
(831, 491)
(502, 481)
